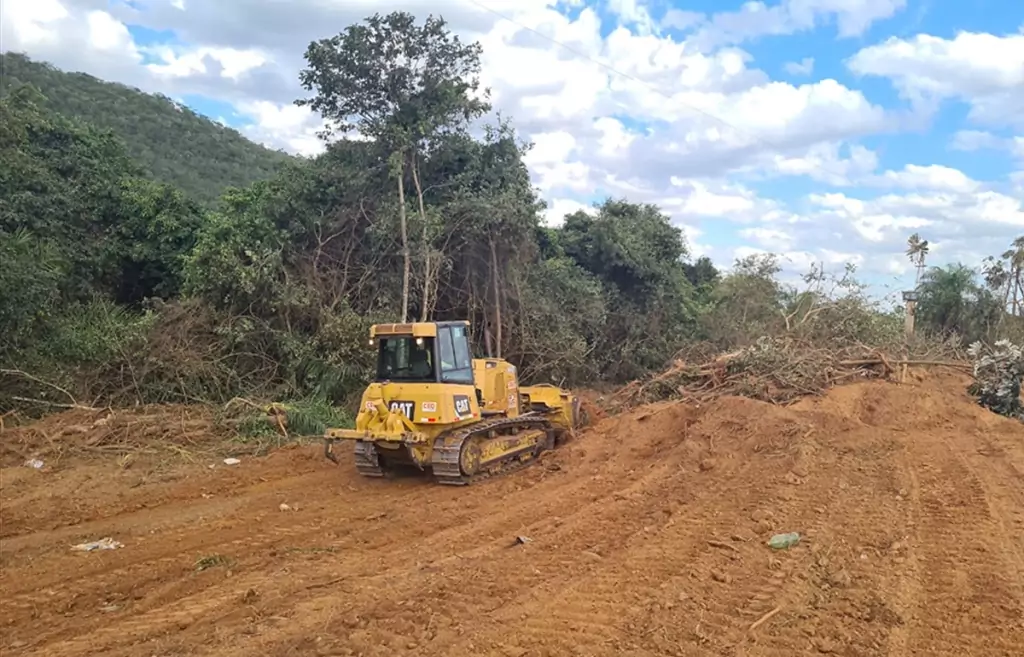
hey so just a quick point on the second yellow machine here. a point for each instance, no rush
(433, 406)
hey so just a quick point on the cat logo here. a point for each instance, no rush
(403, 407)
(462, 406)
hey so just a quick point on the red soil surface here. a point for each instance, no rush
(648, 537)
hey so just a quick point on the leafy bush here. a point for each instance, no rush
(998, 372)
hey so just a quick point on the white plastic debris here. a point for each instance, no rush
(231, 461)
(102, 544)
(34, 463)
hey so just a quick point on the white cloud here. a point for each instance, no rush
(825, 162)
(288, 127)
(109, 35)
(756, 19)
(931, 177)
(680, 19)
(804, 67)
(984, 70)
(225, 62)
(976, 140)
(558, 208)
(26, 25)
(772, 239)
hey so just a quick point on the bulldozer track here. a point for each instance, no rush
(367, 459)
(448, 448)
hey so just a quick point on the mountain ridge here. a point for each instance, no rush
(173, 143)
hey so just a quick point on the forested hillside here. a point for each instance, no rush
(170, 142)
(118, 289)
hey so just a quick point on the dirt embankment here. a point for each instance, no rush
(647, 537)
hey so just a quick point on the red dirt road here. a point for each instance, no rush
(647, 537)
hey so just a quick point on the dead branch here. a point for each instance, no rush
(36, 379)
(779, 371)
(43, 402)
(764, 619)
(910, 363)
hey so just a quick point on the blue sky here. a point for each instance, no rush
(823, 130)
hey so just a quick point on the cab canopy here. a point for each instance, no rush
(423, 352)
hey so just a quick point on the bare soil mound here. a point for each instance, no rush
(647, 536)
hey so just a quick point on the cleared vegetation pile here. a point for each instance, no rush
(781, 371)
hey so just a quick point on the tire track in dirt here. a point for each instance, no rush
(906, 596)
(675, 585)
(969, 574)
(846, 604)
(619, 563)
(440, 536)
(453, 597)
(111, 576)
(999, 465)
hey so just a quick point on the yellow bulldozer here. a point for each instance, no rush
(433, 406)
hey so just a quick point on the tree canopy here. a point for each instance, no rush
(127, 283)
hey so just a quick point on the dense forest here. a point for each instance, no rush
(122, 284)
(169, 141)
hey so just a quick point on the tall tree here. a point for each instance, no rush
(401, 84)
(917, 251)
(951, 301)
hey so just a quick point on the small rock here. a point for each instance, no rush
(824, 645)
(840, 579)
(707, 464)
(231, 461)
(523, 540)
(284, 507)
(720, 576)
(800, 470)
(793, 479)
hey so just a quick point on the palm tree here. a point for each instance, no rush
(917, 251)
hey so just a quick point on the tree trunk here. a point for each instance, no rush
(497, 299)
(425, 304)
(478, 315)
(406, 266)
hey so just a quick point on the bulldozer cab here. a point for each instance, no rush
(423, 352)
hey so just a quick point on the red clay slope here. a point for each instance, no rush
(647, 538)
